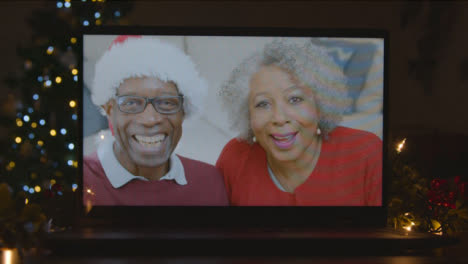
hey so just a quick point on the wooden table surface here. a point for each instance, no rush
(457, 253)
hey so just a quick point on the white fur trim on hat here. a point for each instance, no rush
(148, 57)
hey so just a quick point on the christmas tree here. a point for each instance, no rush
(40, 155)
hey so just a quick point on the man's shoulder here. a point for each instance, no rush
(196, 169)
(91, 160)
(92, 167)
(192, 163)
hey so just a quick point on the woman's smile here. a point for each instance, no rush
(284, 141)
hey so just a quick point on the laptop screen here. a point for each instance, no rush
(255, 124)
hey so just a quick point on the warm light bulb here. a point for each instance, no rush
(102, 136)
(11, 164)
(58, 79)
(8, 256)
(408, 228)
(74, 71)
(18, 140)
(19, 122)
(72, 103)
(37, 188)
(401, 145)
(50, 50)
(33, 124)
(26, 201)
(73, 40)
(40, 143)
(53, 132)
(52, 182)
(89, 206)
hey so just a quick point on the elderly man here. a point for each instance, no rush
(146, 88)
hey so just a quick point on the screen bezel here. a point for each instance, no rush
(213, 216)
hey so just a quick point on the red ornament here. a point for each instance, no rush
(438, 184)
(451, 195)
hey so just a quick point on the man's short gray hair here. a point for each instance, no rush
(309, 63)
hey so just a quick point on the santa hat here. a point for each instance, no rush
(144, 56)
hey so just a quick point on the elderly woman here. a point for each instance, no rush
(288, 101)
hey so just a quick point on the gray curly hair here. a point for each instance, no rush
(310, 63)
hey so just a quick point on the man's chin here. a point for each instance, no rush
(154, 161)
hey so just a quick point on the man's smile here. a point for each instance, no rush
(150, 140)
(150, 144)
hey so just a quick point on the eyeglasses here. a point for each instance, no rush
(167, 104)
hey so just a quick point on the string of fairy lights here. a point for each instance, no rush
(36, 129)
(97, 15)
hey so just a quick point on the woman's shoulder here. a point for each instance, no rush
(341, 132)
(353, 137)
(235, 150)
(236, 145)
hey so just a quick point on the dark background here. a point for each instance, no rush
(428, 63)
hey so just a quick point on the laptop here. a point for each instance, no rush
(322, 228)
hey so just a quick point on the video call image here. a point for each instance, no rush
(232, 121)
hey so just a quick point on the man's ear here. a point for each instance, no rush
(107, 107)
